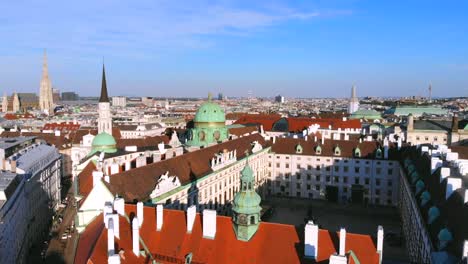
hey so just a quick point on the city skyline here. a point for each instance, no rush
(296, 49)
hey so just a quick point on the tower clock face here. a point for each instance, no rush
(242, 219)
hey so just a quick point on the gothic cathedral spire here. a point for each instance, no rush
(45, 93)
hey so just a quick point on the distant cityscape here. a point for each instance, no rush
(116, 179)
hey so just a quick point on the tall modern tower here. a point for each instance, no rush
(105, 118)
(353, 102)
(46, 102)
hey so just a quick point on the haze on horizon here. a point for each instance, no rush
(188, 48)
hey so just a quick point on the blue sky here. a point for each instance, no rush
(188, 48)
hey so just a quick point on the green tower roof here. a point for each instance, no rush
(247, 201)
(210, 112)
(104, 142)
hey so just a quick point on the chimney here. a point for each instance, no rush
(115, 223)
(342, 242)
(97, 176)
(114, 259)
(136, 236)
(107, 208)
(159, 217)
(455, 122)
(311, 240)
(465, 249)
(452, 185)
(451, 156)
(114, 168)
(140, 213)
(119, 205)
(110, 237)
(191, 212)
(444, 173)
(435, 164)
(410, 125)
(209, 223)
(13, 166)
(380, 237)
(128, 165)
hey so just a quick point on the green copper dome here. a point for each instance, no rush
(210, 112)
(104, 142)
(210, 125)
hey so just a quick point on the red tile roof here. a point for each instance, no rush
(140, 182)
(85, 179)
(238, 131)
(297, 124)
(272, 243)
(64, 127)
(88, 239)
(309, 147)
(61, 142)
(262, 119)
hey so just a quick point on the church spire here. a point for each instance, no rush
(45, 70)
(104, 97)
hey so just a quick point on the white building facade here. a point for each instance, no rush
(29, 200)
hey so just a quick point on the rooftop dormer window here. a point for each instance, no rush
(298, 149)
(378, 153)
(318, 150)
(337, 151)
(357, 153)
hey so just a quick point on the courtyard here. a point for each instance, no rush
(332, 216)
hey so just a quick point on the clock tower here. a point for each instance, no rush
(246, 207)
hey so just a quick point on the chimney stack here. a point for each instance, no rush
(410, 125)
(114, 259)
(380, 238)
(136, 236)
(13, 166)
(465, 249)
(119, 205)
(455, 122)
(452, 185)
(140, 213)
(97, 176)
(159, 217)
(110, 237)
(209, 223)
(444, 173)
(342, 242)
(311, 240)
(191, 212)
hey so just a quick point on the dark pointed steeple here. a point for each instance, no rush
(104, 97)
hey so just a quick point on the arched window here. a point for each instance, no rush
(216, 135)
(201, 136)
(252, 220)
(250, 186)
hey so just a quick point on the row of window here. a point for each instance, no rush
(336, 179)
